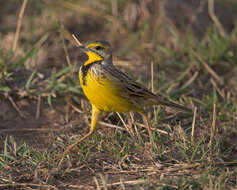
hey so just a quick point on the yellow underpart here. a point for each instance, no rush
(94, 118)
(105, 95)
(92, 57)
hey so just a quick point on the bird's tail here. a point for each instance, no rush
(174, 105)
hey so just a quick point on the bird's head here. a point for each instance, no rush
(98, 50)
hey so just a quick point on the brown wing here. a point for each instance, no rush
(129, 88)
(133, 91)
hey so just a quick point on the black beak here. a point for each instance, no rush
(83, 48)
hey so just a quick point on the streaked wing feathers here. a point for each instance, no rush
(130, 88)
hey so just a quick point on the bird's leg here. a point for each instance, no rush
(94, 119)
(71, 147)
(148, 125)
(146, 122)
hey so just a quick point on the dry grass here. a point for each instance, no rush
(43, 110)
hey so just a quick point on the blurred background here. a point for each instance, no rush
(185, 50)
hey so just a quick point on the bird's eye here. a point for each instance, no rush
(99, 48)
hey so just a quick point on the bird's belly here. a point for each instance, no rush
(105, 95)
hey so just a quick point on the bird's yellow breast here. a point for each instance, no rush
(104, 94)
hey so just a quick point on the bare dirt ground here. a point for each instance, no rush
(115, 157)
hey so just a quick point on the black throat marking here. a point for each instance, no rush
(85, 70)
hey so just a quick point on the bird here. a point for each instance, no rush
(108, 89)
